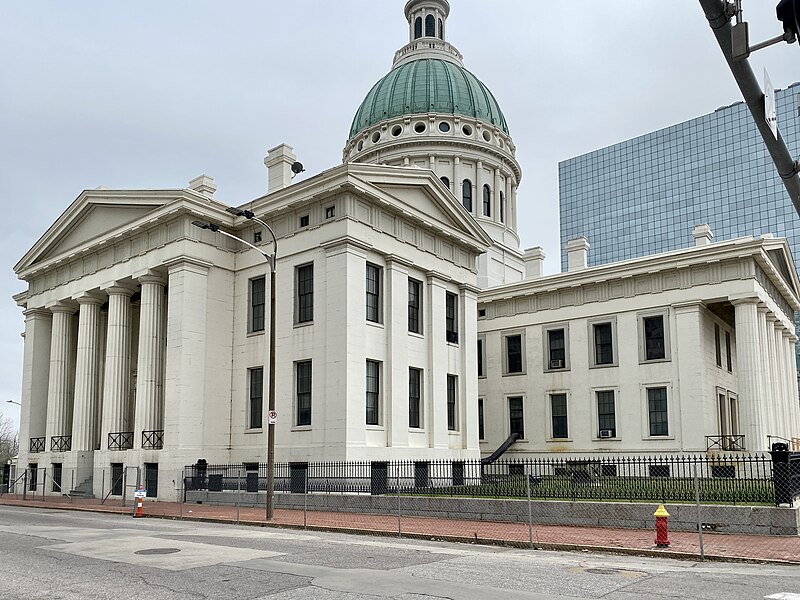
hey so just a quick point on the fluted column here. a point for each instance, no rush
(36, 365)
(116, 378)
(769, 396)
(496, 197)
(87, 364)
(150, 362)
(59, 390)
(782, 391)
(791, 373)
(748, 348)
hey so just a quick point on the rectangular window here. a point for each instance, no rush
(654, 346)
(256, 391)
(556, 349)
(717, 347)
(257, 303)
(305, 294)
(603, 344)
(729, 361)
(373, 392)
(451, 317)
(451, 402)
(657, 409)
(303, 386)
(481, 427)
(414, 398)
(514, 353)
(414, 306)
(558, 413)
(516, 417)
(373, 293)
(304, 221)
(606, 414)
(330, 212)
(481, 358)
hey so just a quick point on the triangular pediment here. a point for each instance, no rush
(93, 216)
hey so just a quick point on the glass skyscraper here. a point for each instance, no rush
(644, 195)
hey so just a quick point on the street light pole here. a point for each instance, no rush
(271, 260)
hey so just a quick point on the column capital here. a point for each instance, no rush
(186, 262)
(152, 277)
(63, 306)
(398, 263)
(467, 289)
(90, 298)
(692, 306)
(436, 278)
(34, 313)
(119, 289)
(744, 299)
(771, 318)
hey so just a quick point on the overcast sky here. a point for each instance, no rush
(150, 94)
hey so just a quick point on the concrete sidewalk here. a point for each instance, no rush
(717, 546)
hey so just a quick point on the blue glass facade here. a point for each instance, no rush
(644, 195)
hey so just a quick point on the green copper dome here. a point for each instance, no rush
(424, 86)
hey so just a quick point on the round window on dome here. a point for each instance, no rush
(397, 130)
(376, 137)
(466, 130)
(487, 136)
(420, 127)
(444, 126)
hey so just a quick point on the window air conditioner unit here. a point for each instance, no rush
(556, 364)
(606, 433)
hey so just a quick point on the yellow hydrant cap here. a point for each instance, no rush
(661, 511)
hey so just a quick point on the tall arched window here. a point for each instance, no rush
(430, 26)
(441, 30)
(446, 182)
(487, 201)
(502, 208)
(418, 28)
(466, 194)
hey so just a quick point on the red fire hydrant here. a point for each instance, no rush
(662, 527)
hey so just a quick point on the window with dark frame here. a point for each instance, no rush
(305, 294)
(330, 212)
(558, 414)
(556, 349)
(487, 201)
(513, 353)
(481, 427)
(257, 303)
(466, 194)
(303, 387)
(657, 410)
(304, 221)
(373, 293)
(414, 398)
(430, 26)
(654, 343)
(451, 402)
(441, 30)
(502, 207)
(446, 182)
(603, 344)
(451, 317)
(728, 356)
(717, 346)
(480, 358)
(373, 392)
(256, 397)
(606, 414)
(516, 416)
(417, 28)
(414, 306)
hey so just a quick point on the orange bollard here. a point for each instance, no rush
(139, 503)
(662, 527)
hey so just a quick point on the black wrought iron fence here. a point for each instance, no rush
(60, 443)
(733, 478)
(120, 440)
(36, 444)
(153, 440)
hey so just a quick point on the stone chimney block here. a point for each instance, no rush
(279, 162)
(203, 184)
(702, 234)
(534, 262)
(577, 254)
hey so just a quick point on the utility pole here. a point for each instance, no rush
(719, 14)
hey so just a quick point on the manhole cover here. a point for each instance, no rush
(158, 551)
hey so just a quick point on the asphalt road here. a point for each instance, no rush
(69, 555)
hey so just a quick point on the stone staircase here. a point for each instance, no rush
(83, 490)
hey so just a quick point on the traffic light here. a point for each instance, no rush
(788, 12)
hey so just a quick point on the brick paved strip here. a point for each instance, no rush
(719, 546)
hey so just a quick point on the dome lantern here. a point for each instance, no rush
(427, 19)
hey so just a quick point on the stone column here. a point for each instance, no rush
(511, 217)
(468, 379)
(59, 389)
(116, 380)
(150, 363)
(35, 369)
(782, 392)
(751, 382)
(396, 384)
(477, 192)
(496, 197)
(792, 382)
(694, 418)
(87, 399)
(769, 396)
(435, 382)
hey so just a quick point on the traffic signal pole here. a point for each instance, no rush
(720, 24)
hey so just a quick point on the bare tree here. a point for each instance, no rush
(9, 439)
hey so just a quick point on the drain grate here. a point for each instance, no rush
(158, 551)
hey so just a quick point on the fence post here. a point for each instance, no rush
(397, 489)
(530, 510)
(238, 490)
(697, 505)
(305, 501)
(781, 474)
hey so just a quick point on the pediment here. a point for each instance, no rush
(94, 215)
